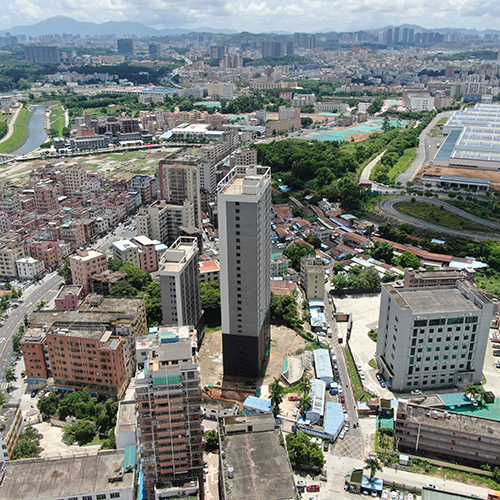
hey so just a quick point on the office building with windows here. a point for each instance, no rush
(244, 199)
(433, 336)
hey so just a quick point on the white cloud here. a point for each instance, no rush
(265, 15)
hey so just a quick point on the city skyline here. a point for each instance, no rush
(314, 16)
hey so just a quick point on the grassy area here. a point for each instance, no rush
(403, 163)
(56, 112)
(441, 216)
(95, 441)
(422, 467)
(373, 364)
(353, 373)
(20, 135)
(58, 125)
(211, 329)
(373, 333)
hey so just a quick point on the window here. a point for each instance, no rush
(420, 322)
(87, 497)
(455, 321)
(101, 496)
(114, 495)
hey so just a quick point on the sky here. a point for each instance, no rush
(262, 15)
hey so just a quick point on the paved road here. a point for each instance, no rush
(46, 290)
(352, 445)
(427, 149)
(388, 207)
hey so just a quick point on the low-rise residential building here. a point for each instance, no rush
(122, 317)
(102, 283)
(447, 435)
(103, 475)
(209, 271)
(312, 277)
(69, 297)
(29, 268)
(253, 442)
(436, 277)
(11, 426)
(85, 264)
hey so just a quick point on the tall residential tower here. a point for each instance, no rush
(244, 199)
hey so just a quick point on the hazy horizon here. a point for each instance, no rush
(265, 16)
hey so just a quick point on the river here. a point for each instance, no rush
(36, 129)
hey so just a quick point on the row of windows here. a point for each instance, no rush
(443, 321)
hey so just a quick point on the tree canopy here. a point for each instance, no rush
(302, 451)
(296, 251)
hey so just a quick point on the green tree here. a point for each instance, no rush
(341, 281)
(210, 302)
(25, 449)
(371, 278)
(304, 404)
(65, 272)
(296, 251)
(382, 251)
(373, 465)
(10, 376)
(302, 451)
(16, 340)
(115, 264)
(122, 288)
(138, 278)
(386, 125)
(277, 394)
(306, 121)
(409, 259)
(48, 405)
(81, 432)
(313, 240)
(211, 441)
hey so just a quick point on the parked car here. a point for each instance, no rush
(301, 483)
(385, 495)
(344, 409)
(362, 375)
(313, 488)
(379, 377)
(431, 486)
(342, 435)
(382, 384)
(496, 353)
(342, 399)
(401, 496)
(394, 495)
(416, 392)
(359, 367)
(293, 398)
(325, 445)
(409, 496)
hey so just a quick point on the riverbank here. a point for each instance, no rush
(20, 132)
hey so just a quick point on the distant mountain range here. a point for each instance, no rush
(61, 24)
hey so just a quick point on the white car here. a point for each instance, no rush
(346, 416)
(359, 367)
(416, 392)
(295, 412)
(385, 495)
(394, 495)
(342, 435)
(362, 375)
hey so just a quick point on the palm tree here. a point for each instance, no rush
(474, 392)
(277, 391)
(304, 404)
(305, 385)
(373, 465)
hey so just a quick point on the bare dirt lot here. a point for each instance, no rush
(284, 341)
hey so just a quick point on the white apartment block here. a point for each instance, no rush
(29, 268)
(4, 222)
(180, 283)
(433, 336)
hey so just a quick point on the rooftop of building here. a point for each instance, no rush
(109, 309)
(87, 332)
(431, 299)
(448, 420)
(209, 266)
(69, 290)
(7, 416)
(109, 276)
(322, 363)
(424, 274)
(244, 180)
(86, 255)
(144, 240)
(260, 463)
(180, 252)
(126, 418)
(58, 477)
(125, 246)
